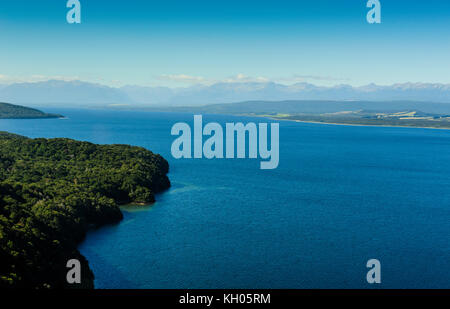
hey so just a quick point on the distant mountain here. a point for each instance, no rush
(56, 92)
(10, 111)
(77, 93)
(236, 92)
(149, 95)
(312, 107)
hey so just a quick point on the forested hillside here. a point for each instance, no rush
(52, 190)
(10, 111)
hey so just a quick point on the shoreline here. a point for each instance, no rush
(352, 124)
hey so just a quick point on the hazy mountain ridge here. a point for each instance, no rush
(78, 93)
(312, 107)
(55, 92)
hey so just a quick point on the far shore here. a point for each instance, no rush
(349, 124)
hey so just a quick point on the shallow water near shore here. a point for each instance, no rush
(340, 196)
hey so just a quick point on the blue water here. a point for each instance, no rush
(340, 196)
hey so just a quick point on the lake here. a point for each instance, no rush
(340, 196)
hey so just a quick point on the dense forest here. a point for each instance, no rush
(53, 190)
(10, 111)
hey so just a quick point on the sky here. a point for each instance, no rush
(178, 43)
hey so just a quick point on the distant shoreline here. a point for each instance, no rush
(11, 111)
(351, 124)
(33, 118)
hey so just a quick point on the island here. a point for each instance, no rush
(53, 191)
(11, 111)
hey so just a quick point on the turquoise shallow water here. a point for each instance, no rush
(340, 196)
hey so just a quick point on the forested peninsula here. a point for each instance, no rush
(53, 190)
(10, 111)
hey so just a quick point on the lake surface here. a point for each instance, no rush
(340, 196)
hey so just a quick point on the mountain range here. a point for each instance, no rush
(82, 94)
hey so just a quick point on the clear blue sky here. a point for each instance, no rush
(180, 42)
